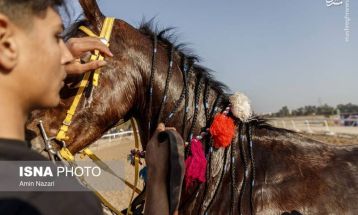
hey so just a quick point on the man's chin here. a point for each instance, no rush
(50, 103)
(55, 102)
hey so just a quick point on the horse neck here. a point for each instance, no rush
(199, 91)
(139, 48)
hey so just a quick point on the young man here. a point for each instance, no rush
(34, 61)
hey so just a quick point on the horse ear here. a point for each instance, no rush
(92, 12)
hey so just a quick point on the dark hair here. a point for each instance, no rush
(20, 10)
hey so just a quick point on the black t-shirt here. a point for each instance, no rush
(44, 203)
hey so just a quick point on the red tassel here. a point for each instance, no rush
(222, 130)
(195, 164)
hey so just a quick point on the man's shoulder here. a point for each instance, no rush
(80, 202)
(51, 202)
(17, 150)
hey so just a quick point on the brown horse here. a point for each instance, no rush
(265, 170)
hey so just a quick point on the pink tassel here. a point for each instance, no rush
(195, 164)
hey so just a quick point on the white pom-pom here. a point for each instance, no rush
(240, 106)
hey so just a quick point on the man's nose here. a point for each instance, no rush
(66, 54)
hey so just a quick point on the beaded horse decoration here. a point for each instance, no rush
(222, 131)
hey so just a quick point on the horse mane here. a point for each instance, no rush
(168, 38)
(73, 28)
(261, 122)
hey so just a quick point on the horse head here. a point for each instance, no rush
(124, 84)
(117, 95)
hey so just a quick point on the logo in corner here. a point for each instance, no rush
(330, 3)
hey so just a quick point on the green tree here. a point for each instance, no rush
(348, 108)
(284, 111)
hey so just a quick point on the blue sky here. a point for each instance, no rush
(279, 52)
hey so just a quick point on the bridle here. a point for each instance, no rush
(89, 80)
(105, 36)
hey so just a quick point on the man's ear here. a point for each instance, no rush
(8, 47)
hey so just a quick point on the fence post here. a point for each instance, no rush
(294, 126)
(309, 130)
(328, 131)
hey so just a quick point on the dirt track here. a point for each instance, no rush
(118, 150)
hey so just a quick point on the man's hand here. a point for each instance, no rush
(158, 161)
(80, 47)
(157, 151)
